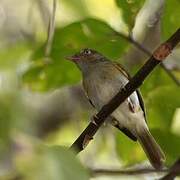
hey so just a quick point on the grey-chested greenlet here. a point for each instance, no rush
(102, 80)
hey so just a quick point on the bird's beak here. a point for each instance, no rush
(73, 58)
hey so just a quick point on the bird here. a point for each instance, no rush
(102, 79)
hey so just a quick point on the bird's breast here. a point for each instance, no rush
(102, 86)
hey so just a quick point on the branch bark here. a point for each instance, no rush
(129, 172)
(173, 171)
(147, 52)
(97, 120)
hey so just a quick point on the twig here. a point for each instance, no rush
(44, 11)
(51, 29)
(147, 52)
(158, 56)
(173, 172)
(110, 172)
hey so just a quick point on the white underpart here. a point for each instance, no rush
(101, 92)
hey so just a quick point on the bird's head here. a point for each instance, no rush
(86, 58)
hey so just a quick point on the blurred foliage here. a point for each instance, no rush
(15, 55)
(161, 95)
(171, 16)
(33, 72)
(90, 33)
(129, 9)
(50, 163)
(129, 151)
(167, 140)
(76, 7)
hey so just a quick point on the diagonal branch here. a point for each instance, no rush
(147, 52)
(158, 56)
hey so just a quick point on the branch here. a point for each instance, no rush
(44, 11)
(147, 52)
(110, 172)
(173, 171)
(97, 120)
(51, 29)
(149, 35)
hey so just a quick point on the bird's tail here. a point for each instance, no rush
(151, 148)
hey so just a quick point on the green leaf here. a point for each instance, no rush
(170, 19)
(130, 152)
(10, 114)
(161, 104)
(90, 33)
(77, 7)
(156, 79)
(129, 9)
(12, 56)
(51, 163)
(161, 98)
(170, 144)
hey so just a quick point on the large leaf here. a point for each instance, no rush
(68, 40)
(129, 10)
(50, 163)
(161, 104)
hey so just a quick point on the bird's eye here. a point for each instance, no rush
(87, 51)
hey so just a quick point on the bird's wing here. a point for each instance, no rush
(121, 69)
(141, 102)
(113, 121)
(126, 131)
(86, 94)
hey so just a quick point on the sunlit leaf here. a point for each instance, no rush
(76, 6)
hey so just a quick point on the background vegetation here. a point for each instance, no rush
(42, 105)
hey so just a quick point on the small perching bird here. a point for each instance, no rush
(102, 80)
